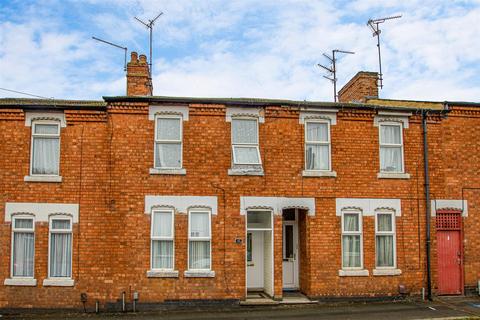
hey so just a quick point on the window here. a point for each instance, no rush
(23, 247)
(391, 148)
(168, 142)
(199, 240)
(352, 240)
(245, 141)
(162, 248)
(45, 153)
(317, 145)
(385, 239)
(60, 251)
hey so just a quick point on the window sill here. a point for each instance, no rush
(312, 173)
(199, 274)
(386, 272)
(162, 274)
(25, 282)
(245, 172)
(168, 171)
(58, 282)
(353, 273)
(387, 175)
(42, 178)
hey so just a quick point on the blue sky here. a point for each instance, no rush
(243, 48)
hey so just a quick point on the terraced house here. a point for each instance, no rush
(166, 199)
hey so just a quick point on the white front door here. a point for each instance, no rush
(290, 255)
(255, 260)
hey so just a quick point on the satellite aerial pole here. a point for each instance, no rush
(149, 26)
(333, 69)
(117, 46)
(374, 25)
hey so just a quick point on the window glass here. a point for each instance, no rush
(199, 224)
(45, 155)
(23, 223)
(60, 255)
(390, 134)
(162, 224)
(391, 159)
(351, 222)
(199, 255)
(23, 247)
(244, 131)
(288, 249)
(168, 155)
(318, 157)
(246, 155)
(162, 254)
(384, 251)
(317, 132)
(168, 129)
(384, 222)
(60, 224)
(351, 251)
(249, 247)
(46, 128)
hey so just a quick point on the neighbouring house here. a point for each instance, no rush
(205, 199)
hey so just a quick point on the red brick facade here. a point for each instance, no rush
(106, 156)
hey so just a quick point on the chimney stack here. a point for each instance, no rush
(139, 81)
(362, 85)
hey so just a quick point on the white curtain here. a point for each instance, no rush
(199, 225)
(390, 134)
(162, 254)
(168, 129)
(318, 157)
(350, 222)
(199, 255)
(317, 132)
(45, 155)
(384, 222)
(244, 131)
(60, 254)
(385, 251)
(168, 155)
(246, 155)
(351, 251)
(23, 252)
(162, 224)
(391, 159)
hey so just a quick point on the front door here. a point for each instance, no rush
(290, 255)
(255, 260)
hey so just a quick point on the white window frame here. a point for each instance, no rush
(389, 145)
(321, 143)
(45, 135)
(353, 233)
(62, 231)
(32, 230)
(160, 141)
(246, 145)
(386, 233)
(209, 238)
(160, 238)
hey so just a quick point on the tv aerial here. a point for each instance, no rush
(117, 46)
(332, 70)
(149, 24)
(374, 24)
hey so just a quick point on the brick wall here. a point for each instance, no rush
(362, 85)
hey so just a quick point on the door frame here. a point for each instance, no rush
(296, 249)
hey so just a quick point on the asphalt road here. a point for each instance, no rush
(466, 309)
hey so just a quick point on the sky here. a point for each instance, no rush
(240, 48)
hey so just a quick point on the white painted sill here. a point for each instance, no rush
(24, 282)
(58, 282)
(168, 171)
(353, 273)
(387, 175)
(162, 274)
(42, 179)
(199, 274)
(245, 172)
(312, 173)
(386, 272)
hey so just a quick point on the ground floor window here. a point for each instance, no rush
(385, 239)
(199, 240)
(60, 251)
(23, 246)
(162, 245)
(352, 240)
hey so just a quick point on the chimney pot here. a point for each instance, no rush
(139, 82)
(143, 58)
(133, 57)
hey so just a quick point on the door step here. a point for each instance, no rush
(261, 299)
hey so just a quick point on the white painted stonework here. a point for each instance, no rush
(41, 211)
(277, 204)
(368, 206)
(328, 114)
(179, 110)
(439, 204)
(391, 117)
(255, 112)
(181, 203)
(53, 116)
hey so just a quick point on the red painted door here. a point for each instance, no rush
(449, 262)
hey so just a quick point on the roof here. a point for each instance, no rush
(50, 103)
(431, 105)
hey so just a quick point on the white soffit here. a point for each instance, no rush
(168, 110)
(41, 211)
(48, 116)
(181, 203)
(277, 204)
(442, 204)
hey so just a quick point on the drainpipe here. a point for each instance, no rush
(427, 203)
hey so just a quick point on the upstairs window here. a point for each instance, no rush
(60, 251)
(391, 148)
(23, 247)
(352, 240)
(245, 142)
(162, 240)
(199, 240)
(45, 154)
(385, 240)
(168, 142)
(317, 145)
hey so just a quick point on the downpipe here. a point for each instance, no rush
(427, 203)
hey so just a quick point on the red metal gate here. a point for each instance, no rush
(449, 252)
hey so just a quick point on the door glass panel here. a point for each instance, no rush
(259, 219)
(288, 242)
(289, 215)
(249, 247)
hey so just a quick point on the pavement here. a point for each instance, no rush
(440, 308)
